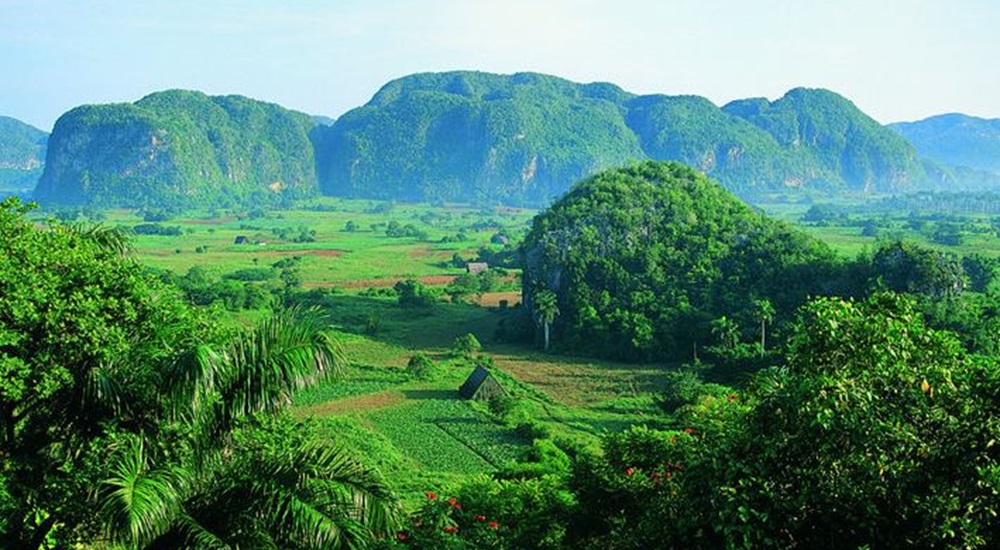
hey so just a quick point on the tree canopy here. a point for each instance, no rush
(643, 258)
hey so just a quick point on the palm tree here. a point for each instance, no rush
(727, 331)
(546, 310)
(765, 312)
(242, 486)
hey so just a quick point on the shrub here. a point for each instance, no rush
(466, 345)
(421, 366)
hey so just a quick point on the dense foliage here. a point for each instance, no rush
(879, 433)
(524, 138)
(643, 259)
(128, 420)
(22, 153)
(179, 149)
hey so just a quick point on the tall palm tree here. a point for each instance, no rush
(546, 310)
(765, 313)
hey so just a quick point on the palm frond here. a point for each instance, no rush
(140, 503)
(112, 239)
(262, 370)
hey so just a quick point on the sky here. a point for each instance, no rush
(895, 59)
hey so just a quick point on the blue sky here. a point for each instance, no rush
(896, 59)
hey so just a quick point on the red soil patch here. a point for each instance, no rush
(353, 404)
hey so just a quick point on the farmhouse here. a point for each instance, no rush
(242, 239)
(481, 386)
(476, 268)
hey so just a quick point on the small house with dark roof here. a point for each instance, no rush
(241, 239)
(481, 386)
(476, 268)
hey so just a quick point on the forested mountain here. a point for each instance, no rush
(475, 136)
(831, 141)
(179, 148)
(526, 137)
(956, 139)
(487, 138)
(22, 153)
(642, 260)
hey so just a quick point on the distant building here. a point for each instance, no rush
(242, 239)
(476, 268)
(481, 386)
(500, 239)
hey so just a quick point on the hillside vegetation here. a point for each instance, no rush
(179, 149)
(643, 259)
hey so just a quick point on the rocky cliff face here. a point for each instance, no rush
(22, 153)
(179, 148)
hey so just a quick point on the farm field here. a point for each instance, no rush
(419, 432)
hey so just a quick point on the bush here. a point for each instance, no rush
(413, 294)
(466, 345)
(421, 366)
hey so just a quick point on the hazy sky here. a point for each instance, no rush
(896, 59)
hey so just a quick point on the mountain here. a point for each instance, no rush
(475, 136)
(956, 139)
(524, 138)
(832, 142)
(179, 148)
(22, 153)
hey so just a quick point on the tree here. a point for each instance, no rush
(546, 310)
(764, 311)
(126, 415)
(878, 433)
(727, 331)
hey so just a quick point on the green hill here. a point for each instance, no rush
(179, 148)
(643, 259)
(956, 139)
(22, 153)
(526, 137)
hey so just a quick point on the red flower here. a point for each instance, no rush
(689, 431)
(493, 525)
(629, 471)
(401, 536)
(451, 529)
(480, 518)
(431, 495)
(731, 397)
(454, 503)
